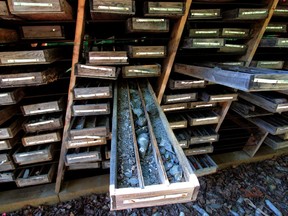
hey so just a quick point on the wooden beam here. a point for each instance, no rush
(75, 58)
(258, 32)
(224, 110)
(172, 50)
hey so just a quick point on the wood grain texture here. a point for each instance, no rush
(76, 53)
(42, 32)
(259, 29)
(171, 52)
(8, 35)
(39, 10)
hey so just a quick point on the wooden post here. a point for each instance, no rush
(258, 32)
(75, 58)
(224, 110)
(172, 50)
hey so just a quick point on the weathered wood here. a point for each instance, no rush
(175, 107)
(146, 51)
(218, 95)
(255, 141)
(198, 150)
(276, 27)
(202, 165)
(12, 96)
(93, 127)
(172, 48)
(86, 142)
(202, 104)
(156, 153)
(186, 84)
(9, 143)
(275, 142)
(39, 10)
(182, 137)
(7, 166)
(179, 97)
(154, 194)
(5, 13)
(111, 9)
(205, 14)
(107, 152)
(141, 71)
(273, 42)
(79, 31)
(202, 118)
(83, 165)
(35, 175)
(259, 29)
(42, 32)
(30, 78)
(85, 154)
(248, 110)
(11, 128)
(268, 64)
(164, 9)
(246, 14)
(200, 33)
(198, 43)
(93, 107)
(155, 25)
(42, 138)
(107, 58)
(105, 164)
(201, 135)
(6, 177)
(271, 101)
(96, 90)
(43, 123)
(280, 11)
(235, 32)
(246, 79)
(234, 48)
(34, 154)
(45, 56)
(44, 107)
(102, 72)
(8, 35)
(7, 112)
(275, 124)
(177, 122)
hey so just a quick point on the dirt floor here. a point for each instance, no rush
(244, 190)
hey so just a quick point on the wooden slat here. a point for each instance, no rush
(242, 78)
(257, 34)
(171, 53)
(76, 53)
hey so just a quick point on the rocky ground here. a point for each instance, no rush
(244, 190)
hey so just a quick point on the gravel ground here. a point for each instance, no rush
(235, 189)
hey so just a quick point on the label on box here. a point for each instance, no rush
(18, 79)
(29, 4)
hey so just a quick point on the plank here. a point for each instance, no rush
(259, 29)
(271, 101)
(76, 53)
(8, 35)
(168, 62)
(242, 78)
(164, 9)
(39, 10)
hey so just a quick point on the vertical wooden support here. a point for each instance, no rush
(75, 58)
(255, 141)
(257, 34)
(224, 110)
(172, 50)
